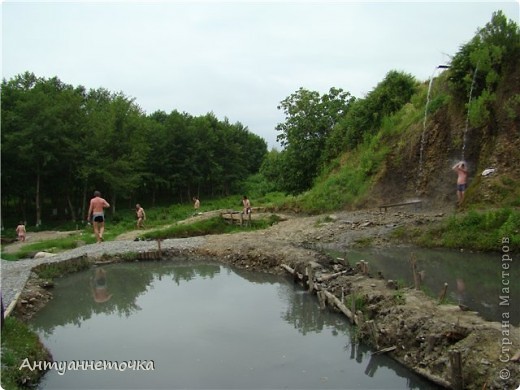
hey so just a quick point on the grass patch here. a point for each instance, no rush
(363, 242)
(20, 343)
(483, 231)
(215, 225)
(125, 221)
(357, 300)
(54, 270)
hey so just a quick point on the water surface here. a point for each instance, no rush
(475, 280)
(204, 326)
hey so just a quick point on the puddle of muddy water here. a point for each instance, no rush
(476, 280)
(204, 326)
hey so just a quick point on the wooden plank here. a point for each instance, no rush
(386, 206)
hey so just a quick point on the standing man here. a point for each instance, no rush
(141, 216)
(462, 179)
(97, 213)
(196, 204)
(247, 205)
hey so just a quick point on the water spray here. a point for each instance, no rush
(464, 136)
(423, 136)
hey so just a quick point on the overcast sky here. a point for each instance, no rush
(235, 59)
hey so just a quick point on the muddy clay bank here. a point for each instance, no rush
(451, 347)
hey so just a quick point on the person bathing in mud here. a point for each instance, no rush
(141, 216)
(96, 212)
(462, 178)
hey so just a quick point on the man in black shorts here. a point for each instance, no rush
(96, 212)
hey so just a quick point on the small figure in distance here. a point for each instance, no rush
(462, 178)
(20, 231)
(141, 216)
(96, 212)
(247, 205)
(196, 204)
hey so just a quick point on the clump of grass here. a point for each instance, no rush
(357, 299)
(54, 270)
(216, 225)
(399, 298)
(363, 242)
(20, 343)
(482, 231)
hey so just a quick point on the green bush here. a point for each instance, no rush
(475, 230)
(20, 343)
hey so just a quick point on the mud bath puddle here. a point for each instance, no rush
(422, 331)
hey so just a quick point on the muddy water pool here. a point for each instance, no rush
(475, 280)
(203, 326)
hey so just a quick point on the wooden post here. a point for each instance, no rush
(159, 247)
(457, 380)
(310, 278)
(443, 293)
(332, 298)
(321, 299)
(324, 278)
(416, 279)
(373, 331)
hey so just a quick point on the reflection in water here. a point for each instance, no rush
(474, 279)
(205, 326)
(99, 286)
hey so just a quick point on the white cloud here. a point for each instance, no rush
(236, 59)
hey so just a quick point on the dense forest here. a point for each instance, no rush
(60, 142)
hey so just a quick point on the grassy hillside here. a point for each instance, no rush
(386, 167)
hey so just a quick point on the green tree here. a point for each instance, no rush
(476, 68)
(365, 116)
(309, 119)
(40, 129)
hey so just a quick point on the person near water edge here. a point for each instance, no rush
(462, 179)
(97, 214)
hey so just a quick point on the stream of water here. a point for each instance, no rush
(464, 137)
(204, 326)
(423, 134)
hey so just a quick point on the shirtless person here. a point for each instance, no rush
(20, 231)
(141, 216)
(247, 205)
(96, 212)
(462, 179)
(196, 204)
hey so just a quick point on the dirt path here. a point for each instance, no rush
(34, 237)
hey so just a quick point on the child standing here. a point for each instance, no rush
(20, 231)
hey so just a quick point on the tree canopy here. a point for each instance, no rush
(60, 143)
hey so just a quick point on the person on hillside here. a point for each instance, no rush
(196, 204)
(20, 231)
(462, 179)
(247, 205)
(97, 213)
(141, 216)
